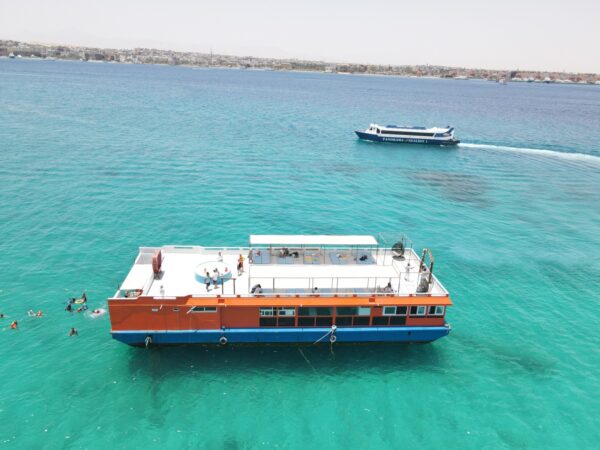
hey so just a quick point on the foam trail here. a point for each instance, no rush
(537, 151)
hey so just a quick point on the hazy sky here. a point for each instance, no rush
(508, 34)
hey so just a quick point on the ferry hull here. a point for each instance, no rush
(398, 140)
(282, 335)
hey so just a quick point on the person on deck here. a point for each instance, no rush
(240, 266)
(207, 280)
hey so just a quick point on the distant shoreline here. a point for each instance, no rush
(19, 50)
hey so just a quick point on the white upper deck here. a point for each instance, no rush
(282, 265)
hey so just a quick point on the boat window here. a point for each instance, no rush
(417, 310)
(343, 321)
(306, 321)
(397, 320)
(318, 311)
(286, 322)
(268, 322)
(436, 310)
(353, 311)
(395, 310)
(204, 309)
(383, 320)
(266, 312)
(286, 311)
(389, 310)
(408, 133)
(360, 321)
(324, 321)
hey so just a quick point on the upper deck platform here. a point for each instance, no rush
(282, 265)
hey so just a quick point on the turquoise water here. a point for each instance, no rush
(98, 159)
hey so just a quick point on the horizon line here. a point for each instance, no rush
(266, 58)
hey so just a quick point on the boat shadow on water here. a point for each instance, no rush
(345, 359)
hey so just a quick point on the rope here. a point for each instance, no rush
(323, 337)
(307, 361)
(333, 328)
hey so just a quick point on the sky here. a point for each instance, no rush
(546, 35)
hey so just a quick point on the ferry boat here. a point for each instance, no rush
(281, 289)
(410, 135)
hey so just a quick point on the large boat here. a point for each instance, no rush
(282, 289)
(410, 135)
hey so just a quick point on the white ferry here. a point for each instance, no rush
(410, 135)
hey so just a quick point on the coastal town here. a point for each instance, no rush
(19, 50)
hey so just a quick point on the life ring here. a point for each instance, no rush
(332, 338)
(223, 340)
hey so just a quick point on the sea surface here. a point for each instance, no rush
(98, 159)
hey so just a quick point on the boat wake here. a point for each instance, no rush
(582, 157)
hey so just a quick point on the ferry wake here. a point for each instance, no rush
(281, 289)
(408, 135)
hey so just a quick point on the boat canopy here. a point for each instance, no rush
(312, 240)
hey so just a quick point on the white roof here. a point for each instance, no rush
(301, 239)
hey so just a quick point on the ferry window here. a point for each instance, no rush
(286, 322)
(322, 311)
(401, 310)
(286, 312)
(204, 309)
(306, 321)
(343, 321)
(353, 311)
(436, 311)
(345, 311)
(381, 320)
(389, 310)
(324, 321)
(359, 321)
(397, 320)
(363, 311)
(266, 312)
(267, 322)
(417, 310)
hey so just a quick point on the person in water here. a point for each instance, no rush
(73, 332)
(14, 325)
(40, 313)
(1, 316)
(69, 308)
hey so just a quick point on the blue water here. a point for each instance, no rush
(98, 159)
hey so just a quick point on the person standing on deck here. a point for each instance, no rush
(240, 266)
(215, 278)
(207, 280)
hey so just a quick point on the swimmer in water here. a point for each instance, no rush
(73, 332)
(40, 313)
(1, 316)
(14, 325)
(69, 308)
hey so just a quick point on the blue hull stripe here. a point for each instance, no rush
(376, 138)
(283, 335)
